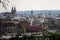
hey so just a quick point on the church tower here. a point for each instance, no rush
(13, 11)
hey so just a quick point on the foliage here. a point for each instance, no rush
(45, 32)
(23, 38)
(55, 36)
(24, 29)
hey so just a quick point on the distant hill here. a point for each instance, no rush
(42, 12)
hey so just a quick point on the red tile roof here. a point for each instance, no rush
(34, 28)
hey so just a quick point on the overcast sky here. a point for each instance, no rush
(34, 4)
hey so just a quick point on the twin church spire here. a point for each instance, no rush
(13, 10)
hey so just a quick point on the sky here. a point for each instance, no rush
(33, 5)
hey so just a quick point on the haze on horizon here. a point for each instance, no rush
(33, 5)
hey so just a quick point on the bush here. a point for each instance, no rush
(23, 38)
(54, 36)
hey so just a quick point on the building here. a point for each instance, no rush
(57, 22)
(10, 15)
(8, 27)
(31, 28)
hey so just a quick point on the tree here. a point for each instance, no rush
(24, 29)
(54, 36)
(45, 32)
(4, 3)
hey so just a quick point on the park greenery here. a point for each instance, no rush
(54, 36)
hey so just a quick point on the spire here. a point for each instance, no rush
(13, 10)
(32, 12)
(12, 7)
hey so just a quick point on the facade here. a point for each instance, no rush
(57, 22)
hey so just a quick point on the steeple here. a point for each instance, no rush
(12, 8)
(13, 11)
(32, 12)
(31, 15)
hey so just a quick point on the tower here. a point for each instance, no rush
(32, 20)
(31, 13)
(13, 11)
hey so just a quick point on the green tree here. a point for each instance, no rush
(45, 32)
(23, 29)
(54, 36)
